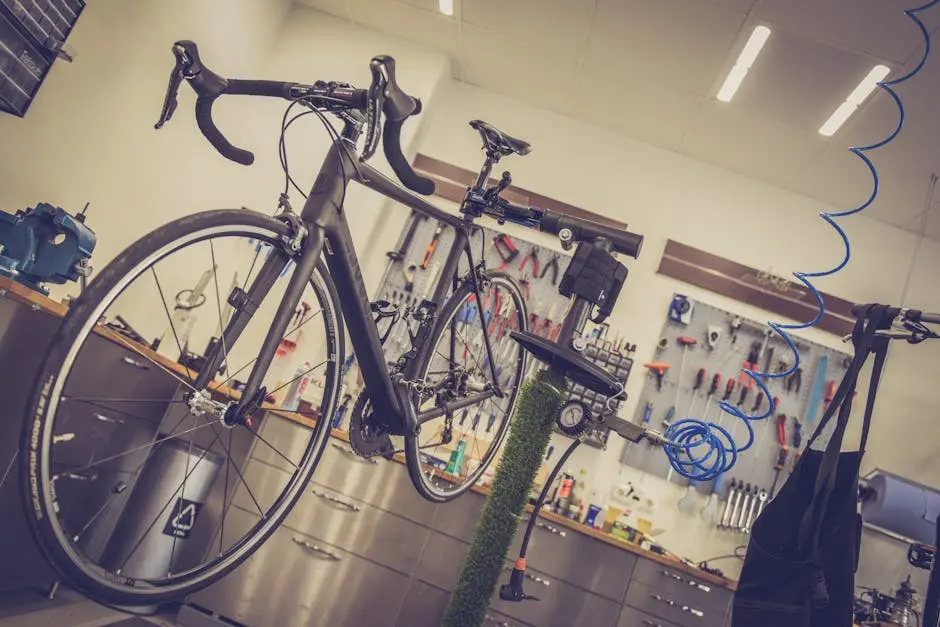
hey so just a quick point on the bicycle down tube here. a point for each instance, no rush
(323, 216)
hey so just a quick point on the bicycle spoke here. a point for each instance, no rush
(179, 507)
(301, 375)
(225, 506)
(238, 472)
(252, 266)
(139, 448)
(169, 317)
(286, 335)
(102, 399)
(218, 303)
(280, 454)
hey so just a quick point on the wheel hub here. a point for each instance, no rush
(200, 403)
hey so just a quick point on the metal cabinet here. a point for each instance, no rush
(630, 617)
(295, 579)
(675, 608)
(681, 586)
(577, 558)
(459, 517)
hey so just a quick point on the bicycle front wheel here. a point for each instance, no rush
(129, 468)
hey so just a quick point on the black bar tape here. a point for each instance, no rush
(274, 89)
(391, 141)
(215, 137)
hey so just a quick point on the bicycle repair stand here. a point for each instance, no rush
(594, 278)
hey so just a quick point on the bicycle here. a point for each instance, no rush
(434, 380)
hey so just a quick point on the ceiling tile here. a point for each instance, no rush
(680, 44)
(561, 22)
(873, 27)
(649, 113)
(749, 144)
(798, 81)
(529, 72)
(428, 28)
(339, 8)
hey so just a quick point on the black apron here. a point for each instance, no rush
(799, 570)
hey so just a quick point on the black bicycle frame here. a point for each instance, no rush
(328, 235)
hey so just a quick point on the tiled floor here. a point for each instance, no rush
(70, 609)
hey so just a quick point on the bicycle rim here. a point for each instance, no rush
(82, 545)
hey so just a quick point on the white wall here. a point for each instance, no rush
(666, 195)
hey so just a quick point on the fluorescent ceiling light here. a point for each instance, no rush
(446, 6)
(854, 101)
(745, 60)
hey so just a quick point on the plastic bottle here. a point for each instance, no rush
(455, 463)
(296, 389)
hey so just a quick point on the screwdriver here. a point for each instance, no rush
(716, 381)
(757, 402)
(699, 379)
(743, 396)
(729, 390)
(797, 439)
(782, 457)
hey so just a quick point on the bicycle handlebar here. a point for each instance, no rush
(547, 221)
(908, 315)
(383, 97)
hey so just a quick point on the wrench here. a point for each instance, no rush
(762, 497)
(746, 527)
(729, 504)
(740, 508)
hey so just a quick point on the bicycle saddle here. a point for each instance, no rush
(496, 141)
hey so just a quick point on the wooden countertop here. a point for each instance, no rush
(23, 294)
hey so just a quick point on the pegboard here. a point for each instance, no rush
(540, 288)
(724, 342)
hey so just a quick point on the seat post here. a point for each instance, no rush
(485, 171)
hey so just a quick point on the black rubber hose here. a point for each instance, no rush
(538, 505)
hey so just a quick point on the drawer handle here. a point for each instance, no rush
(351, 453)
(135, 363)
(692, 583)
(332, 499)
(550, 528)
(496, 621)
(651, 623)
(108, 419)
(333, 557)
(700, 586)
(671, 603)
(666, 573)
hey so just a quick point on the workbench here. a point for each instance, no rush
(384, 555)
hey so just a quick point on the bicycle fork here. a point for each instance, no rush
(246, 304)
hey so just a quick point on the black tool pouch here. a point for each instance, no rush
(595, 275)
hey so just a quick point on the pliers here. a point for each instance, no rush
(534, 256)
(553, 265)
(795, 380)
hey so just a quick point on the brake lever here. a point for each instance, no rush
(183, 63)
(374, 109)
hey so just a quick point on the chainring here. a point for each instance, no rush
(367, 438)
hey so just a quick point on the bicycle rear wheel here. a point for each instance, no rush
(457, 367)
(127, 491)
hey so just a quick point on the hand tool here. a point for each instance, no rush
(506, 250)
(662, 344)
(693, 396)
(738, 505)
(680, 309)
(782, 456)
(409, 273)
(746, 527)
(797, 440)
(553, 265)
(183, 318)
(716, 381)
(667, 420)
(524, 287)
(794, 381)
(762, 500)
(658, 368)
(816, 394)
(685, 342)
(830, 394)
(738, 523)
(768, 358)
(729, 390)
(647, 413)
(463, 416)
(753, 356)
(757, 402)
(729, 504)
(490, 421)
(735, 324)
(432, 246)
(532, 255)
(476, 421)
(712, 336)
(743, 395)
(416, 220)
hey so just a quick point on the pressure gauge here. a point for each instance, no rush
(573, 417)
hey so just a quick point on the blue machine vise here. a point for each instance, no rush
(45, 244)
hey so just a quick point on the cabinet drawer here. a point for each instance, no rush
(630, 617)
(577, 558)
(561, 604)
(383, 484)
(459, 517)
(339, 520)
(672, 607)
(287, 583)
(441, 560)
(100, 433)
(682, 587)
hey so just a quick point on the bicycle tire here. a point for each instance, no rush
(39, 499)
(416, 469)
